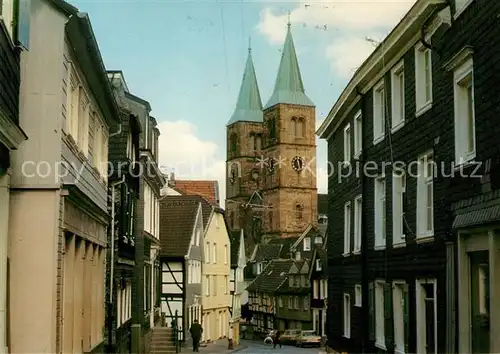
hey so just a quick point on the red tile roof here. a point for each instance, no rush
(206, 189)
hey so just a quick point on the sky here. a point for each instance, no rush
(187, 59)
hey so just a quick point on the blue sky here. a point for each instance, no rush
(187, 58)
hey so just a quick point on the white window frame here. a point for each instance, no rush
(226, 248)
(423, 104)
(357, 295)
(379, 111)
(307, 243)
(259, 268)
(358, 215)
(347, 315)
(380, 212)
(463, 78)
(398, 298)
(207, 285)
(420, 314)
(347, 144)
(398, 217)
(460, 6)
(425, 180)
(207, 252)
(316, 289)
(397, 96)
(358, 134)
(347, 228)
(318, 265)
(379, 313)
(214, 254)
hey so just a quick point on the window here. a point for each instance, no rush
(226, 256)
(347, 144)
(296, 303)
(226, 285)
(379, 315)
(358, 134)
(214, 285)
(425, 196)
(271, 128)
(233, 141)
(315, 289)
(398, 96)
(400, 310)
(280, 301)
(423, 78)
(347, 315)
(259, 268)
(318, 240)
(357, 295)
(214, 255)
(306, 303)
(298, 211)
(301, 128)
(398, 197)
(207, 252)
(290, 302)
(251, 142)
(380, 213)
(378, 112)
(425, 295)
(207, 285)
(307, 244)
(347, 228)
(465, 131)
(297, 256)
(358, 212)
(318, 264)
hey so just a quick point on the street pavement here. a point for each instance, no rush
(252, 347)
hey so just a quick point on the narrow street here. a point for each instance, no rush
(251, 347)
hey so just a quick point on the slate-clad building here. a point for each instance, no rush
(413, 244)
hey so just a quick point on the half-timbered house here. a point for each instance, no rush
(182, 221)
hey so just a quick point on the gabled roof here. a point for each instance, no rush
(267, 252)
(177, 221)
(271, 278)
(286, 244)
(206, 189)
(249, 104)
(289, 88)
(206, 207)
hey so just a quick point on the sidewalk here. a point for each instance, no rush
(219, 346)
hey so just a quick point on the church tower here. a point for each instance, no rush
(290, 146)
(244, 147)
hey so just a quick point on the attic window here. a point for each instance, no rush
(259, 268)
(297, 256)
(307, 244)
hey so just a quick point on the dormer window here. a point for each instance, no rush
(297, 256)
(259, 268)
(307, 244)
(318, 264)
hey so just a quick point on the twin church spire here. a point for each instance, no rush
(288, 88)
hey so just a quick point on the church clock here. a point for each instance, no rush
(298, 163)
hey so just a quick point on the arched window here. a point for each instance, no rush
(233, 140)
(298, 211)
(251, 141)
(294, 126)
(301, 126)
(271, 128)
(258, 142)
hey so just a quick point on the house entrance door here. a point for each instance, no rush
(479, 301)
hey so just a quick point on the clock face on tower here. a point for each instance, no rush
(298, 163)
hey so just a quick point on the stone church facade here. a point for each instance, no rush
(271, 156)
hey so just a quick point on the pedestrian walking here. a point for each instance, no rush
(277, 339)
(196, 330)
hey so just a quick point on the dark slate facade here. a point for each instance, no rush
(466, 198)
(124, 180)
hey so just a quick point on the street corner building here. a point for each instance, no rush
(59, 185)
(413, 249)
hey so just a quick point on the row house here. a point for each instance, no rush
(123, 197)
(319, 290)
(183, 220)
(14, 37)
(237, 286)
(413, 246)
(147, 279)
(59, 185)
(206, 189)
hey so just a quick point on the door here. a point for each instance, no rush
(480, 300)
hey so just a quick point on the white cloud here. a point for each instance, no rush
(350, 20)
(189, 157)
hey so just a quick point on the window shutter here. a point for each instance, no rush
(371, 312)
(406, 312)
(389, 324)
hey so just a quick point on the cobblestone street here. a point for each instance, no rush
(251, 347)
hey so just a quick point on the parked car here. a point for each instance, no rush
(290, 336)
(308, 339)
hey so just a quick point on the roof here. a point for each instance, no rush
(177, 220)
(323, 204)
(372, 69)
(272, 276)
(267, 252)
(288, 87)
(249, 104)
(206, 189)
(286, 244)
(206, 207)
(235, 247)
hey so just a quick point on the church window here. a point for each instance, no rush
(252, 142)
(300, 127)
(298, 211)
(294, 126)
(258, 142)
(271, 127)
(234, 143)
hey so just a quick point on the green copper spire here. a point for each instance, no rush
(289, 87)
(249, 105)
